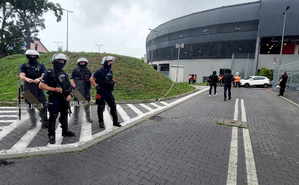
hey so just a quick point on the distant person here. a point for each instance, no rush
(237, 80)
(195, 78)
(190, 78)
(213, 80)
(228, 78)
(283, 83)
(220, 80)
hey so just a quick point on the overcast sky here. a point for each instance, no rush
(121, 26)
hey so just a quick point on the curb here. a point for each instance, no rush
(81, 146)
(290, 101)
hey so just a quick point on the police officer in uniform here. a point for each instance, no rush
(80, 81)
(57, 83)
(102, 79)
(31, 73)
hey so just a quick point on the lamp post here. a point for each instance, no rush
(179, 47)
(282, 39)
(67, 28)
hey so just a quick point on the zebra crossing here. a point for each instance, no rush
(21, 136)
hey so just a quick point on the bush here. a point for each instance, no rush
(266, 72)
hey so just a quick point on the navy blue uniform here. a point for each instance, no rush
(227, 80)
(81, 75)
(57, 101)
(34, 71)
(104, 80)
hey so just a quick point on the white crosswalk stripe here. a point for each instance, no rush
(135, 109)
(155, 105)
(9, 116)
(146, 107)
(125, 117)
(6, 121)
(24, 142)
(86, 129)
(107, 119)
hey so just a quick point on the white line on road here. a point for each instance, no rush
(11, 127)
(244, 116)
(135, 109)
(23, 143)
(6, 121)
(249, 156)
(155, 105)
(233, 159)
(164, 103)
(86, 130)
(9, 111)
(107, 119)
(125, 117)
(9, 116)
(236, 114)
(146, 107)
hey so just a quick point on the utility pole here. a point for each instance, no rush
(179, 47)
(67, 28)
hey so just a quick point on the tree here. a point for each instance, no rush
(20, 22)
(266, 72)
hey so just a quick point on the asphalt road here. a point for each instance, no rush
(183, 145)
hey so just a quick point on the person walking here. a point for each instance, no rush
(57, 83)
(283, 83)
(213, 80)
(102, 79)
(80, 80)
(237, 80)
(31, 74)
(228, 78)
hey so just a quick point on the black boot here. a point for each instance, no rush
(68, 134)
(52, 140)
(101, 124)
(117, 124)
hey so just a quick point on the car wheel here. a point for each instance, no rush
(247, 85)
(266, 85)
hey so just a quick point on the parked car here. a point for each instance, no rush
(254, 81)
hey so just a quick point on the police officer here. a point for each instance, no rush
(80, 81)
(56, 82)
(102, 79)
(31, 73)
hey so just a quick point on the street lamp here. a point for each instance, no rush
(179, 47)
(67, 28)
(282, 39)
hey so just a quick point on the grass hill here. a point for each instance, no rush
(135, 79)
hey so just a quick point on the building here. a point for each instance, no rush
(38, 46)
(243, 37)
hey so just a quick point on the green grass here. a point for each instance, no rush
(135, 79)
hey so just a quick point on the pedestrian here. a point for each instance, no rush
(102, 79)
(190, 78)
(195, 78)
(57, 83)
(228, 78)
(80, 80)
(213, 80)
(31, 74)
(283, 83)
(237, 80)
(221, 80)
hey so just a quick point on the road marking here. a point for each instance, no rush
(233, 159)
(11, 127)
(249, 156)
(155, 105)
(9, 111)
(233, 153)
(107, 120)
(146, 107)
(23, 143)
(135, 109)
(125, 117)
(236, 114)
(9, 116)
(6, 121)
(244, 116)
(11, 108)
(86, 129)
(164, 103)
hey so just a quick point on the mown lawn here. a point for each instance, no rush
(135, 79)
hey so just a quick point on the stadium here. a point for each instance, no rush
(243, 38)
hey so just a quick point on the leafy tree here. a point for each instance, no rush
(20, 22)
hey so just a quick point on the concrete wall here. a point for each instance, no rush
(205, 67)
(270, 61)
